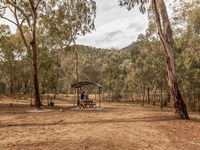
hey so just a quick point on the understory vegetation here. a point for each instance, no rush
(136, 72)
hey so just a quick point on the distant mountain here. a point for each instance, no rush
(129, 47)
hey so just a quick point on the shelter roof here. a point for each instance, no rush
(80, 84)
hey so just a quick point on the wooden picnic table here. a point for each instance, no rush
(90, 103)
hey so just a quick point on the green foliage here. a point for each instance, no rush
(136, 68)
(194, 21)
(129, 4)
(68, 19)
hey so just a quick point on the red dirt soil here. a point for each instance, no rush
(116, 127)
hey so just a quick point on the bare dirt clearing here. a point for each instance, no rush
(114, 127)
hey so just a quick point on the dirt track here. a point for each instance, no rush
(114, 127)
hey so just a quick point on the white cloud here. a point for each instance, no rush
(111, 18)
(12, 26)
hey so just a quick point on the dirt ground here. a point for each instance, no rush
(116, 127)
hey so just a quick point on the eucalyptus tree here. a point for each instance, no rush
(81, 16)
(69, 20)
(9, 62)
(25, 13)
(145, 66)
(7, 54)
(187, 26)
(166, 36)
(11, 57)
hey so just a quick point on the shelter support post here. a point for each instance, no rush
(74, 95)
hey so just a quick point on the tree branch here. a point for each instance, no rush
(8, 20)
(158, 22)
(19, 9)
(19, 25)
(22, 22)
(37, 4)
(32, 4)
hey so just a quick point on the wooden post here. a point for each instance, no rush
(198, 98)
(74, 95)
(31, 97)
(95, 95)
(148, 95)
(99, 97)
(161, 94)
(125, 97)
(77, 94)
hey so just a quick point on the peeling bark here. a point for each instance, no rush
(166, 36)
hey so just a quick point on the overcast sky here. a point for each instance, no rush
(116, 27)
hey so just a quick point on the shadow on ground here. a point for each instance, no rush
(130, 120)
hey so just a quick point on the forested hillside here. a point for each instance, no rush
(63, 86)
(139, 70)
(57, 61)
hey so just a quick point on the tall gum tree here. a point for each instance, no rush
(166, 36)
(25, 13)
(80, 17)
(70, 20)
(7, 53)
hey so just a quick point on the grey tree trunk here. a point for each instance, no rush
(35, 75)
(76, 64)
(34, 61)
(198, 99)
(161, 94)
(32, 47)
(166, 36)
(148, 95)
(76, 70)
